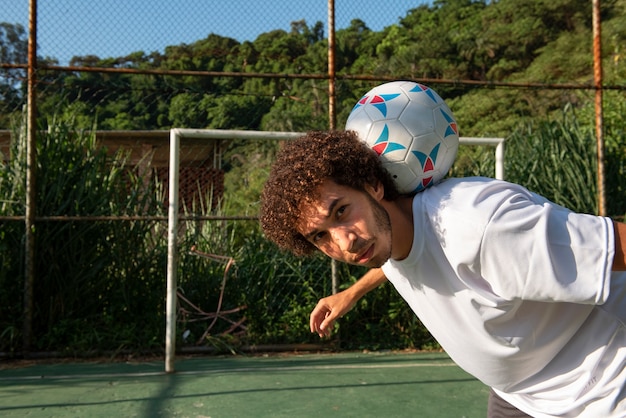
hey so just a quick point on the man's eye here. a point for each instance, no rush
(319, 236)
(341, 210)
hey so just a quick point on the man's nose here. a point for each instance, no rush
(344, 239)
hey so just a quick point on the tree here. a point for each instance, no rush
(13, 50)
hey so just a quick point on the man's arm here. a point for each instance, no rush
(330, 308)
(619, 261)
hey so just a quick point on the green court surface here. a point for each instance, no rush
(294, 385)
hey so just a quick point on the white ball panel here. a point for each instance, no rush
(411, 128)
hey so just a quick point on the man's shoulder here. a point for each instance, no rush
(465, 187)
(478, 186)
(460, 182)
(470, 198)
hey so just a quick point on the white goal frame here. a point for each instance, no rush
(172, 222)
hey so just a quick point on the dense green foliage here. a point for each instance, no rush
(101, 284)
(523, 41)
(90, 285)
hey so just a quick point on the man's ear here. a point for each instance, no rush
(377, 191)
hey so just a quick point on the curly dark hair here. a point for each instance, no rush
(301, 166)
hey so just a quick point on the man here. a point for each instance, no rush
(524, 294)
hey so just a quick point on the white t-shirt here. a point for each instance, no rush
(519, 292)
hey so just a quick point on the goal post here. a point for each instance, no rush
(172, 217)
(176, 135)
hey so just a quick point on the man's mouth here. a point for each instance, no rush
(365, 256)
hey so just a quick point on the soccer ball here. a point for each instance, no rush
(412, 130)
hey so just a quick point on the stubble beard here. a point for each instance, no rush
(383, 223)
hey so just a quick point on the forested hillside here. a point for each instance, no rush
(516, 41)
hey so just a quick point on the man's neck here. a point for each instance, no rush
(401, 216)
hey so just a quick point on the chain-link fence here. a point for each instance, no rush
(109, 79)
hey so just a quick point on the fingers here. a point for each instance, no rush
(318, 315)
(328, 310)
(327, 325)
(322, 319)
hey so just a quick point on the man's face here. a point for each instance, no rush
(348, 225)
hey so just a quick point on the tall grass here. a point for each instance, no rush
(557, 159)
(100, 285)
(12, 203)
(97, 283)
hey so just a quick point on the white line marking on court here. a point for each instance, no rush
(228, 371)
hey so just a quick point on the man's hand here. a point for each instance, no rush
(328, 310)
(333, 307)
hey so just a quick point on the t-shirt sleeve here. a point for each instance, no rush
(533, 249)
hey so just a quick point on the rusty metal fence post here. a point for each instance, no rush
(31, 169)
(597, 79)
(332, 116)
